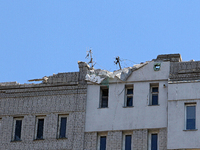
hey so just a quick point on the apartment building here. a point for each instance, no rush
(149, 106)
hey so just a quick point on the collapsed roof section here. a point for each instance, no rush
(98, 76)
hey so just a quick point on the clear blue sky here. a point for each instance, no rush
(39, 38)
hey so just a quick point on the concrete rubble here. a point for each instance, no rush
(98, 76)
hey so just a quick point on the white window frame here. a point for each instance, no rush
(124, 138)
(190, 104)
(14, 126)
(59, 125)
(99, 137)
(153, 85)
(128, 86)
(101, 96)
(36, 127)
(149, 138)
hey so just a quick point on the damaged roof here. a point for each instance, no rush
(98, 76)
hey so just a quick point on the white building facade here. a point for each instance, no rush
(184, 106)
(151, 106)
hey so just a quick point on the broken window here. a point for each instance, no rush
(104, 97)
(157, 66)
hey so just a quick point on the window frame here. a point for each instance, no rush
(153, 85)
(186, 105)
(124, 139)
(59, 126)
(103, 134)
(101, 96)
(15, 119)
(149, 139)
(126, 95)
(36, 127)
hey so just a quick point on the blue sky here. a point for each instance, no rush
(39, 38)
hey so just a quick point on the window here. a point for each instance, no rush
(157, 66)
(62, 129)
(190, 116)
(39, 128)
(17, 129)
(154, 90)
(129, 96)
(101, 141)
(104, 97)
(153, 141)
(127, 141)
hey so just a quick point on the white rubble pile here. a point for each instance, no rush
(98, 76)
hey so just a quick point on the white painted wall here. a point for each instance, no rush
(184, 91)
(141, 116)
(179, 94)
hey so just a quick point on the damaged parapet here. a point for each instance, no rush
(66, 77)
(83, 70)
(70, 77)
(98, 76)
(169, 57)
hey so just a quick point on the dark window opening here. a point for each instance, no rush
(154, 141)
(154, 95)
(154, 99)
(63, 125)
(127, 142)
(103, 143)
(154, 89)
(129, 96)
(129, 91)
(18, 127)
(129, 101)
(40, 129)
(104, 97)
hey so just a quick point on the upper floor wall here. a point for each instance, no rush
(186, 90)
(142, 115)
(147, 73)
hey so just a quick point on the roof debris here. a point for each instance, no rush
(97, 76)
(44, 79)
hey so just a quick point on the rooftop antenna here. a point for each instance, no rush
(89, 54)
(117, 61)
